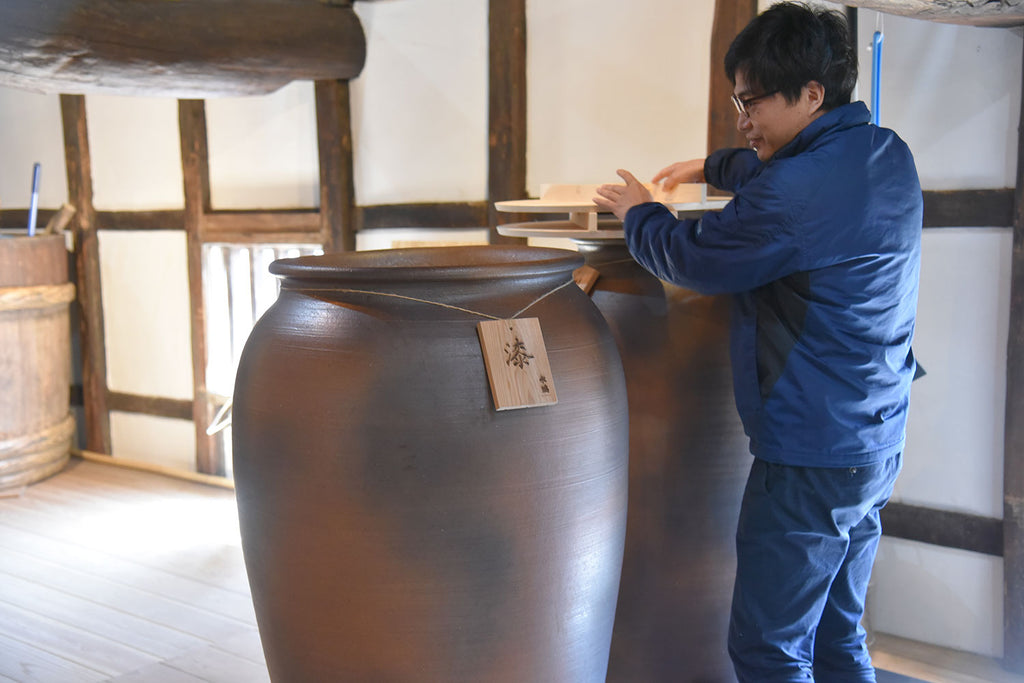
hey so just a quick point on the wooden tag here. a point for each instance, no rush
(585, 277)
(517, 363)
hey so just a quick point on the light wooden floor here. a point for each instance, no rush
(112, 574)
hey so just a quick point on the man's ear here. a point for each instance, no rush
(815, 96)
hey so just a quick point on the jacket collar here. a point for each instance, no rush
(845, 116)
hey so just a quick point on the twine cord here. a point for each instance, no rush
(441, 304)
(223, 419)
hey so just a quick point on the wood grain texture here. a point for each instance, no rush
(196, 177)
(78, 162)
(184, 48)
(966, 12)
(114, 574)
(1013, 441)
(337, 166)
(729, 19)
(517, 363)
(506, 161)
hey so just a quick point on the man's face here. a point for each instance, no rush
(770, 122)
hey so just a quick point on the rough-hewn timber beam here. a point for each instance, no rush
(196, 178)
(730, 18)
(337, 166)
(967, 208)
(943, 528)
(185, 48)
(506, 162)
(428, 215)
(1013, 443)
(78, 163)
(968, 12)
(157, 406)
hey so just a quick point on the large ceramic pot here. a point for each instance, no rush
(688, 463)
(395, 526)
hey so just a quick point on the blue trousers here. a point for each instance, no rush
(806, 542)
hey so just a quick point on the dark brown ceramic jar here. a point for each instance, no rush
(395, 526)
(688, 464)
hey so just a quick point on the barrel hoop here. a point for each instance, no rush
(37, 473)
(50, 437)
(38, 296)
(33, 462)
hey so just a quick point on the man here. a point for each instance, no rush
(820, 247)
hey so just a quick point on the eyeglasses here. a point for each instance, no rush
(742, 104)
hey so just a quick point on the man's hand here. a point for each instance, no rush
(680, 172)
(619, 199)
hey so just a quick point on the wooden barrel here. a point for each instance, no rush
(36, 425)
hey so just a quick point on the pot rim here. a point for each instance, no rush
(472, 262)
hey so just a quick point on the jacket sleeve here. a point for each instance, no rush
(730, 169)
(751, 242)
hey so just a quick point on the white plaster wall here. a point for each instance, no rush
(419, 108)
(263, 150)
(162, 441)
(938, 595)
(953, 93)
(955, 432)
(144, 277)
(136, 155)
(622, 87)
(30, 132)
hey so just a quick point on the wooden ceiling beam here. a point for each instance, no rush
(994, 13)
(184, 49)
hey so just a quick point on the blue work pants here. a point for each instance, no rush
(806, 543)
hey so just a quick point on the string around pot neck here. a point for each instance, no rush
(441, 304)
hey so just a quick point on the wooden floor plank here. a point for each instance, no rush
(246, 645)
(158, 673)
(27, 664)
(126, 599)
(72, 643)
(212, 663)
(936, 664)
(234, 602)
(192, 537)
(141, 634)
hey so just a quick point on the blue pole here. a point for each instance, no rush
(33, 206)
(876, 76)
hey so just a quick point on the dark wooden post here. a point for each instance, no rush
(506, 164)
(1013, 444)
(337, 184)
(196, 178)
(730, 18)
(78, 163)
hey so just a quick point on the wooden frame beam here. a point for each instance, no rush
(942, 209)
(1013, 442)
(78, 163)
(337, 169)
(506, 161)
(196, 179)
(974, 208)
(943, 528)
(427, 215)
(157, 406)
(731, 16)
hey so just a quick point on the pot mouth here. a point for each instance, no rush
(431, 264)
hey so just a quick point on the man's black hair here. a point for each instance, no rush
(791, 44)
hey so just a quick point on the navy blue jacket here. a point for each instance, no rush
(821, 247)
